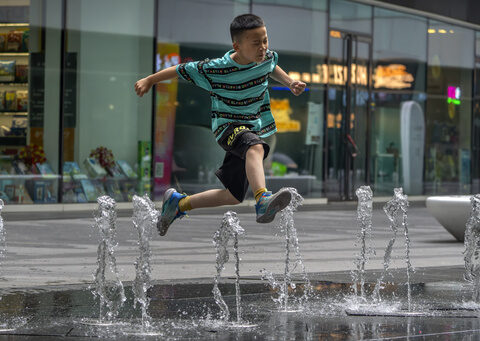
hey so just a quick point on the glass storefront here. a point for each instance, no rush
(399, 57)
(296, 154)
(349, 98)
(26, 173)
(476, 120)
(392, 99)
(449, 108)
(106, 128)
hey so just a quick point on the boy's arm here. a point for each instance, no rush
(296, 87)
(143, 85)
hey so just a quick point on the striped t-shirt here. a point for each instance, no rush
(239, 92)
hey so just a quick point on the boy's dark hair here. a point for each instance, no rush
(244, 22)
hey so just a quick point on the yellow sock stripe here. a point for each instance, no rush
(258, 193)
(184, 204)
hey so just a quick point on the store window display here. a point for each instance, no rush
(296, 157)
(26, 174)
(399, 57)
(449, 109)
(107, 130)
(476, 120)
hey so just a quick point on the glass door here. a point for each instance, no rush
(476, 130)
(348, 114)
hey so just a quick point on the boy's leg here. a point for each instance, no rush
(231, 173)
(175, 204)
(254, 167)
(267, 204)
(212, 198)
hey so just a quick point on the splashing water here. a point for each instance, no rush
(399, 203)
(110, 292)
(391, 210)
(3, 246)
(472, 244)
(145, 218)
(286, 224)
(364, 219)
(230, 228)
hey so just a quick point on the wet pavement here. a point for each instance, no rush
(46, 275)
(441, 310)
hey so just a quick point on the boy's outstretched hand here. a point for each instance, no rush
(142, 86)
(297, 87)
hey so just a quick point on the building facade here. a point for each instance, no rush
(392, 98)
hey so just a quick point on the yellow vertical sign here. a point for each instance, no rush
(168, 54)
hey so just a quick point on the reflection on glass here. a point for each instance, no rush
(107, 147)
(28, 161)
(348, 98)
(476, 131)
(296, 150)
(477, 44)
(350, 16)
(449, 105)
(399, 56)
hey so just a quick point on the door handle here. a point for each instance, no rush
(351, 146)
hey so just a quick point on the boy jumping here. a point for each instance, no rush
(241, 117)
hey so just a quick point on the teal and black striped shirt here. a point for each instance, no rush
(239, 92)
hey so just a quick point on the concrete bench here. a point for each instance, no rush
(452, 212)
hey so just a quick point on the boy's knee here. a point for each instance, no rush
(257, 149)
(231, 200)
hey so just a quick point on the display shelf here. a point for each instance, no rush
(14, 84)
(14, 24)
(13, 113)
(30, 176)
(14, 54)
(13, 141)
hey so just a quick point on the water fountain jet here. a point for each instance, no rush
(145, 218)
(230, 228)
(286, 224)
(472, 245)
(109, 291)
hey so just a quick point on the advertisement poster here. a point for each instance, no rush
(166, 92)
(412, 135)
(314, 124)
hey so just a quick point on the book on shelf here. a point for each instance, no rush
(115, 171)
(144, 160)
(126, 169)
(72, 169)
(128, 190)
(4, 197)
(98, 184)
(89, 190)
(9, 190)
(113, 190)
(19, 167)
(81, 198)
(39, 189)
(44, 168)
(94, 168)
(21, 195)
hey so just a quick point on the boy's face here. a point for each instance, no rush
(252, 45)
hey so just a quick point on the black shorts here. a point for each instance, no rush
(236, 141)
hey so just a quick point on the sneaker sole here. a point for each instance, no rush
(275, 205)
(163, 225)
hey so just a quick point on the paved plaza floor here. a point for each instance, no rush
(50, 263)
(54, 252)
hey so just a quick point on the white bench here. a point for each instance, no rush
(452, 212)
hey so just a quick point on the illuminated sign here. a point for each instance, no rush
(335, 34)
(453, 94)
(392, 76)
(281, 111)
